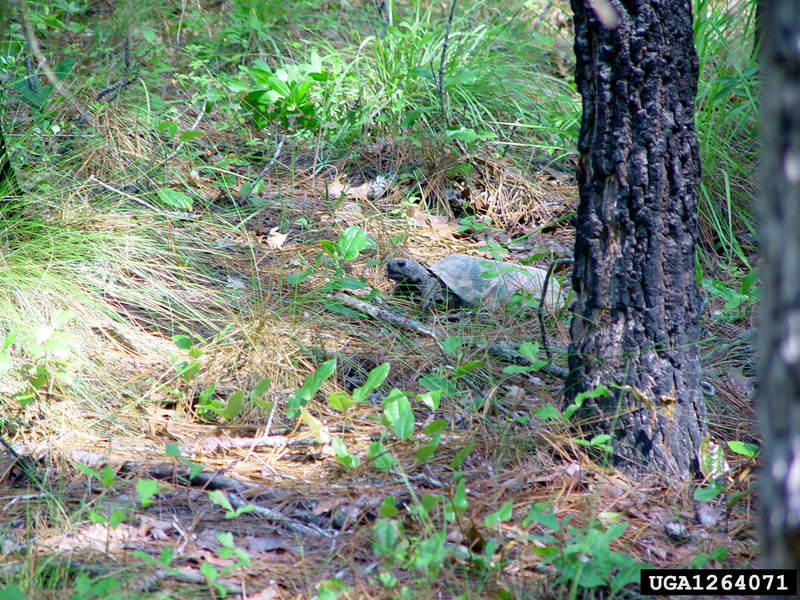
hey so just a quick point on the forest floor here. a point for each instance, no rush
(150, 404)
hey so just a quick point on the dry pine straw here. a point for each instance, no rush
(520, 463)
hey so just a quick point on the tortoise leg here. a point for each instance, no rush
(428, 295)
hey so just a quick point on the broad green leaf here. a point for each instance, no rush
(430, 399)
(315, 425)
(529, 350)
(712, 459)
(387, 508)
(427, 451)
(501, 515)
(436, 426)
(260, 388)
(459, 502)
(434, 382)
(88, 471)
(60, 318)
(404, 426)
(743, 448)
(460, 456)
(184, 342)
(173, 450)
(462, 370)
(115, 518)
(175, 199)
(395, 405)
(353, 240)
(331, 248)
(599, 392)
(5, 363)
(380, 457)
(430, 501)
(9, 339)
(208, 571)
(146, 489)
(451, 344)
(748, 281)
(190, 135)
(542, 513)
(343, 455)
(708, 493)
(374, 379)
(600, 439)
(548, 412)
(58, 347)
(462, 77)
(234, 406)
(465, 134)
(170, 127)
(298, 278)
(340, 401)
(188, 370)
(310, 387)
(108, 477)
(219, 498)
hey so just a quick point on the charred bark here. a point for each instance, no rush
(779, 373)
(9, 188)
(635, 325)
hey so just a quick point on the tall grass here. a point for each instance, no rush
(727, 119)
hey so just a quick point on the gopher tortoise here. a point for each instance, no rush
(460, 280)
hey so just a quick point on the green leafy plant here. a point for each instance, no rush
(146, 489)
(310, 387)
(351, 243)
(714, 468)
(737, 302)
(550, 412)
(186, 370)
(531, 352)
(219, 498)
(291, 95)
(37, 96)
(227, 550)
(744, 448)
(331, 588)
(45, 354)
(582, 556)
(194, 468)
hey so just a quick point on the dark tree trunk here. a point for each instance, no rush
(9, 188)
(635, 321)
(779, 375)
(8, 178)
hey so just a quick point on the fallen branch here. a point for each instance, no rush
(499, 350)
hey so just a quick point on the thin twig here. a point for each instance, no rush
(45, 65)
(440, 81)
(111, 188)
(542, 15)
(264, 171)
(540, 309)
(194, 126)
(436, 334)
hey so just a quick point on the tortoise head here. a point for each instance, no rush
(406, 270)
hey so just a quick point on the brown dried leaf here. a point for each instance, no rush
(265, 542)
(270, 592)
(326, 506)
(275, 238)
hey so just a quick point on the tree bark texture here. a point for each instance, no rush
(635, 325)
(779, 374)
(8, 178)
